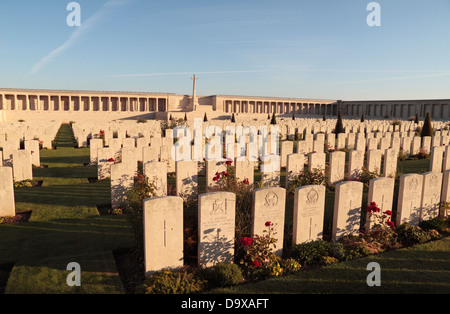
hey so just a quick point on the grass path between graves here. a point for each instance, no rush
(65, 227)
(421, 269)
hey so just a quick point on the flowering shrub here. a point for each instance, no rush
(308, 177)
(382, 221)
(142, 189)
(226, 182)
(258, 259)
(364, 176)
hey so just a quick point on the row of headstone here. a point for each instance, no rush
(22, 160)
(13, 133)
(187, 172)
(419, 199)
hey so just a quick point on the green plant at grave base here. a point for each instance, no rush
(167, 281)
(381, 235)
(226, 182)
(257, 258)
(171, 124)
(308, 177)
(445, 206)
(133, 208)
(222, 275)
(438, 224)
(365, 176)
(409, 235)
(25, 184)
(318, 252)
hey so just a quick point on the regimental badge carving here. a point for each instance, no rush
(434, 181)
(271, 199)
(312, 197)
(219, 208)
(413, 184)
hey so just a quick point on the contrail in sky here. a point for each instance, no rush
(78, 33)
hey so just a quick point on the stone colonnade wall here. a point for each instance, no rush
(20, 104)
(439, 109)
(276, 105)
(60, 105)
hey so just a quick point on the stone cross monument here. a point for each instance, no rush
(194, 98)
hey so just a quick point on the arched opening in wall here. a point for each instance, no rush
(411, 110)
(54, 103)
(236, 106)
(259, 107)
(44, 103)
(426, 108)
(85, 104)
(161, 105)
(132, 104)
(95, 103)
(123, 104)
(104, 101)
(76, 103)
(437, 112)
(115, 104)
(21, 102)
(142, 104)
(65, 103)
(32, 102)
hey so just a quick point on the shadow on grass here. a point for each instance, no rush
(67, 195)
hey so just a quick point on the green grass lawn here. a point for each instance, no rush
(66, 227)
(422, 269)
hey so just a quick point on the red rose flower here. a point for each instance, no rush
(388, 212)
(246, 241)
(390, 223)
(256, 263)
(228, 162)
(246, 182)
(111, 159)
(268, 224)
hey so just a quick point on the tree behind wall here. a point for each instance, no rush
(273, 121)
(339, 125)
(427, 129)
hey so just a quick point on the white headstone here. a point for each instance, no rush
(269, 205)
(381, 191)
(309, 210)
(7, 204)
(409, 199)
(347, 209)
(156, 172)
(186, 178)
(163, 233)
(431, 196)
(216, 228)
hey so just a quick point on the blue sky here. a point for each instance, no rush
(289, 48)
